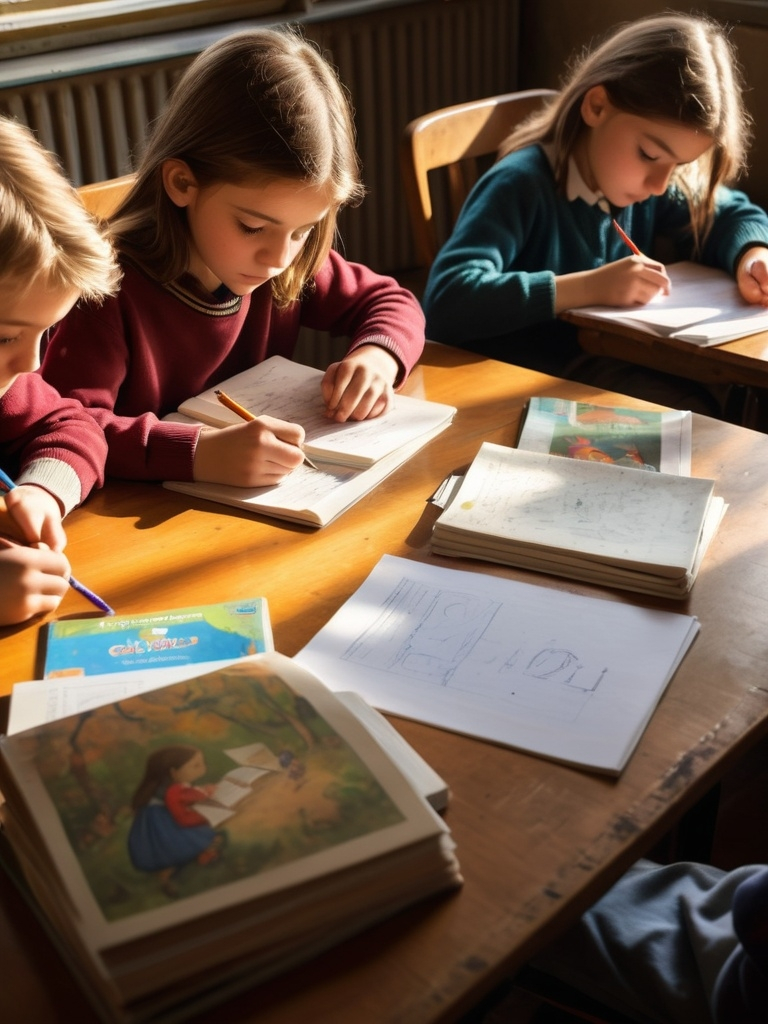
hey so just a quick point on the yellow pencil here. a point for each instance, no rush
(246, 414)
(230, 403)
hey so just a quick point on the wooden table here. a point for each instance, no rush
(743, 362)
(537, 841)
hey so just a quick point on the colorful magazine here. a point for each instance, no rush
(176, 638)
(651, 439)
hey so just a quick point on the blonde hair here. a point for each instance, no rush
(45, 231)
(262, 104)
(668, 67)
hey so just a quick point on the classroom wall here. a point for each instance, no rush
(552, 30)
(398, 58)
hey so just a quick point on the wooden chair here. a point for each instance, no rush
(455, 139)
(103, 197)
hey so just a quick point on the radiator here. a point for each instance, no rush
(397, 63)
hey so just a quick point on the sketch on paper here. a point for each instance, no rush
(458, 640)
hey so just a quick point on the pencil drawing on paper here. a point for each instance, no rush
(464, 642)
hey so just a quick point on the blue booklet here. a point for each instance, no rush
(164, 639)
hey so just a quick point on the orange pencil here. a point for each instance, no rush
(245, 414)
(230, 403)
(626, 239)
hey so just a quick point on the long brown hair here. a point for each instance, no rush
(669, 67)
(261, 104)
(157, 772)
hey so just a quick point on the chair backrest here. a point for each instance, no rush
(103, 197)
(455, 138)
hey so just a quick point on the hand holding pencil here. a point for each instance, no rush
(257, 452)
(33, 580)
(247, 415)
(620, 283)
(34, 574)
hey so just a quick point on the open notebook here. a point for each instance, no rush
(703, 307)
(351, 458)
(291, 391)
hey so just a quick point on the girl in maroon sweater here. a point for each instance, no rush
(225, 240)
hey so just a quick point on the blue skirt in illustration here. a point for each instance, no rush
(157, 842)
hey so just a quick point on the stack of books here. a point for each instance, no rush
(587, 520)
(190, 841)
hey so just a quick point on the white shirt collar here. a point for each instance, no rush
(575, 186)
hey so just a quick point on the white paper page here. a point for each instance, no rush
(46, 700)
(291, 391)
(570, 677)
(704, 296)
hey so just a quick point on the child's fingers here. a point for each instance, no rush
(52, 534)
(36, 515)
(654, 273)
(334, 384)
(254, 454)
(357, 394)
(289, 433)
(753, 281)
(8, 525)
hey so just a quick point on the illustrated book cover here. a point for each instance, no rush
(648, 439)
(37, 701)
(191, 841)
(172, 638)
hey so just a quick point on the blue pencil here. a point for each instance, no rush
(6, 481)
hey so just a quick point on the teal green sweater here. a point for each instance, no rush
(492, 285)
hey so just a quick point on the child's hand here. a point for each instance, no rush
(33, 581)
(752, 276)
(252, 454)
(36, 515)
(359, 387)
(633, 281)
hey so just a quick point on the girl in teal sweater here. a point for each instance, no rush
(649, 129)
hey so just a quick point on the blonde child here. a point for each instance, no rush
(51, 254)
(648, 128)
(225, 240)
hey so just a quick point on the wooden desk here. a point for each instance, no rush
(537, 841)
(743, 363)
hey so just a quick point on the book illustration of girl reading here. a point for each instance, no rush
(167, 832)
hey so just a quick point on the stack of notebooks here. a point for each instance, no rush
(588, 520)
(187, 842)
